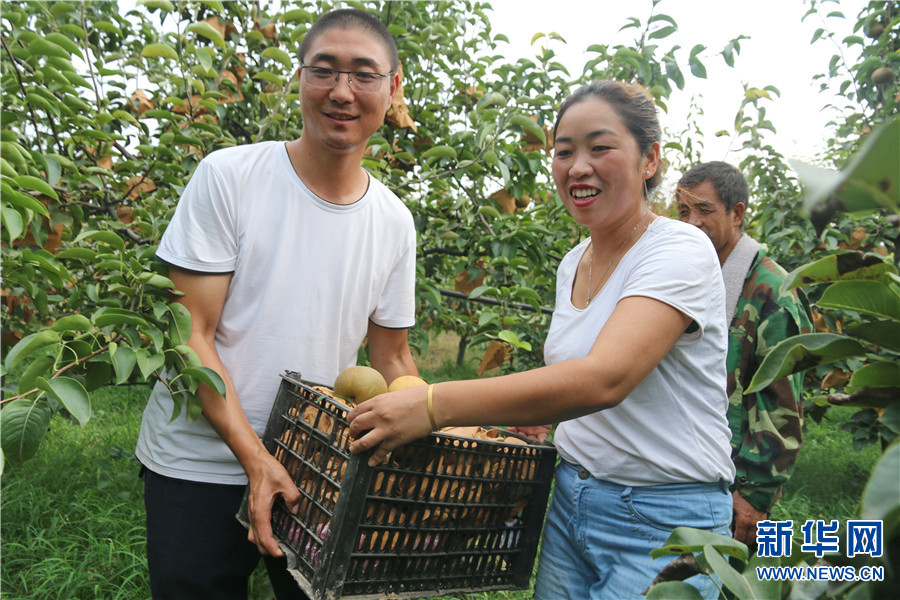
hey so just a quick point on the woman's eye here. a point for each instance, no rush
(600, 148)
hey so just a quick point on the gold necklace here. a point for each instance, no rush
(613, 260)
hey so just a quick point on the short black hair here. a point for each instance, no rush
(728, 181)
(351, 18)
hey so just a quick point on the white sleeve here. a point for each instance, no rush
(202, 235)
(397, 306)
(682, 270)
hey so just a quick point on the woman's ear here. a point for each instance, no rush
(652, 160)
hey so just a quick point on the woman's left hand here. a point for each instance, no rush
(537, 432)
(388, 421)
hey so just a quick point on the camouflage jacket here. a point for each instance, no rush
(765, 426)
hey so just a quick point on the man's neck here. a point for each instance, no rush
(335, 177)
(726, 251)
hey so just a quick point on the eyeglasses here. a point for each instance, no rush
(360, 81)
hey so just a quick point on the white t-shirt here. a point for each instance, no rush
(308, 275)
(672, 428)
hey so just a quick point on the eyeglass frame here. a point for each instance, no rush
(350, 74)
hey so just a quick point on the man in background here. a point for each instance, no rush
(767, 425)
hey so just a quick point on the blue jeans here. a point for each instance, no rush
(598, 535)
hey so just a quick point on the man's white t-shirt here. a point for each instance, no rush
(308, 275)
(672, 428)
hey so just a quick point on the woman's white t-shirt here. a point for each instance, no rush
(672, 428)
(307, 277)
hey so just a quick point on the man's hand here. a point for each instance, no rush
(268, 479)
(745, 519)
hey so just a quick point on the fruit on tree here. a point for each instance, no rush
(883, 75)
(406, 381)
(357, 384)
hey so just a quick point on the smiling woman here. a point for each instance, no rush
(635, 368)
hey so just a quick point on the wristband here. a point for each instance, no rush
(431, 407)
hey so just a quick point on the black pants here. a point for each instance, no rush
(197, 549)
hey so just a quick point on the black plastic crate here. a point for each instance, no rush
(444, 515)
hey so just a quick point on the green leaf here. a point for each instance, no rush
(78, 254)
(207, 376)
(868, 297)
(7, 169)
(878, 374)
(188, 355)
(842, 266)
(181, 323)
(64, 42)
(37, 184)
(160, 51)
(882, 333)
(662, 32)
(802, 352)
(13, 223)
(71, 394)
(123, 361)
(490, 211)
(17, 198)
(871, 179)
(109, 238)
(732, 579)
(208, 31)
(879, 500)
(509, 337)
(117, 316)
(148, 363)
(71, 323)
(28, 345)
(44, 47)
(529, 126)
(687, 540)
(23, 425)
(280, 55)
(163, 5)
(439, 152)
(698, 69)
(157, 280)
(38, 368)
(674, 589)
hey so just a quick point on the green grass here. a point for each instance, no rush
(73, 517)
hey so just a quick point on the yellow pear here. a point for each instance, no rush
(357, 384)
(406, 381)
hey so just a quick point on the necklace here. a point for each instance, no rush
(611, 262)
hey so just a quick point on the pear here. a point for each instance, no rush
(356, 384)
(405, 381)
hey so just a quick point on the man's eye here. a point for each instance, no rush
(363, 76)
(322, 72)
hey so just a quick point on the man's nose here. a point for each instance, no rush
(342, 89)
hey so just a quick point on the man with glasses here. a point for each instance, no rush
(766, 427)
(289, 255)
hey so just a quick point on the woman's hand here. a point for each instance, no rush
(537, 432)
(388, 421)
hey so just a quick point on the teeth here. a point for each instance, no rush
(341, 118)
(583, 193)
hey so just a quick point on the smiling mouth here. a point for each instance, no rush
(582, 196)
(340, 117)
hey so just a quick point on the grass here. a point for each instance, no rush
(73, 517)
